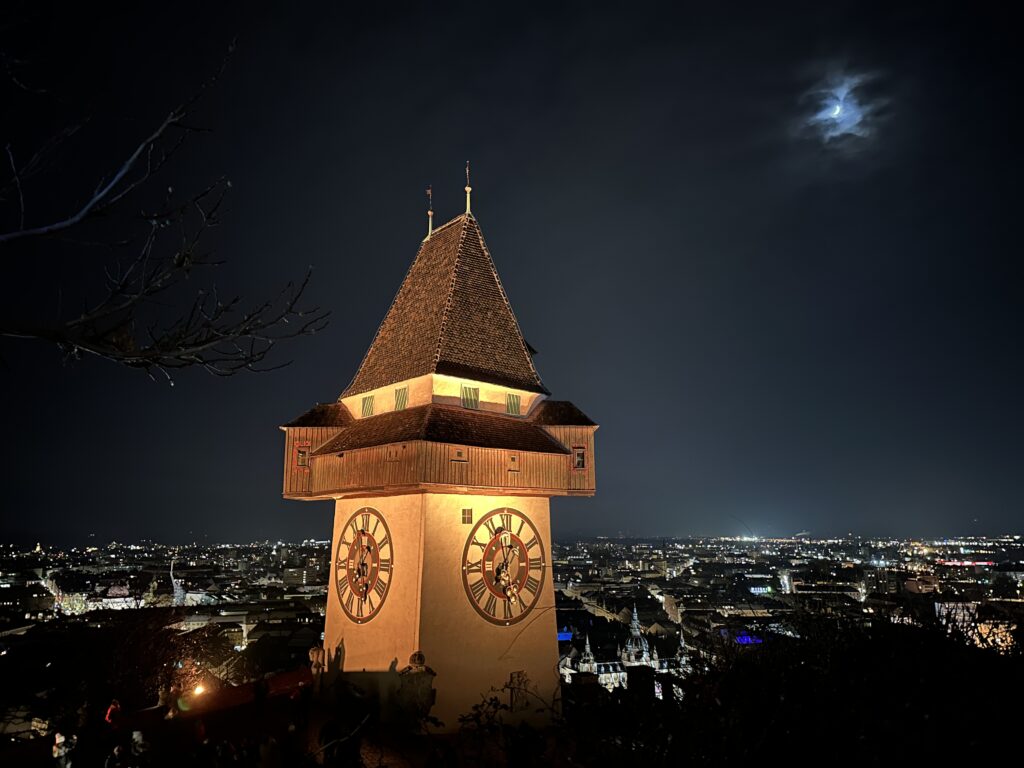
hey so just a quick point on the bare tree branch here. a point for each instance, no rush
(142, 321)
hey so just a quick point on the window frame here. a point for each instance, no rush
(402, 398)
(579, 458)
(472, 402)
(367, 406)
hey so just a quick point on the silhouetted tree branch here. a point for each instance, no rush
(145, 318)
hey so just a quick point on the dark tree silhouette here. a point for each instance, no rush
(156, 312)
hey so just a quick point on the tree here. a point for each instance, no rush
(151, 251)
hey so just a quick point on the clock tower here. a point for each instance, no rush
(441, 457)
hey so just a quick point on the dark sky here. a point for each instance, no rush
(777, 328)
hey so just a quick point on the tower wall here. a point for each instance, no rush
(427, 608)
(470, 655)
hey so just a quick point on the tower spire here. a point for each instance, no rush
(430, 211)
(468, 188)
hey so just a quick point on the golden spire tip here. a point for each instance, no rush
(468, 188)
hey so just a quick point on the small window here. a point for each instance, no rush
(512, 404)
(467, 517)
(302, 457)
(579, 457)
(457, 453)
(394, 452)
(368, 405)
(513, 462)
(401, 398)
(470, 397)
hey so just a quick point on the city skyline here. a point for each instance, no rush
(779, 276)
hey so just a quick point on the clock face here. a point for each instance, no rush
(503, 566)
(362, 570)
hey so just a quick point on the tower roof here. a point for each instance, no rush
(450, 316)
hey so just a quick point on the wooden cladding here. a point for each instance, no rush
(299, 444)
(412, 465)
(398, 467)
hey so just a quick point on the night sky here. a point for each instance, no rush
(772, 252)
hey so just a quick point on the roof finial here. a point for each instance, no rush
(430, 211)
(468, 188)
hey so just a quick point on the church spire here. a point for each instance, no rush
(468, 189)
(430, 212)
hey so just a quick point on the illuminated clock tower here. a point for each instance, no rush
(441, 457)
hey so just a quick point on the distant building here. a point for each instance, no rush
(636, 652)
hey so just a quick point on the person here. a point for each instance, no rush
(117, 758)
(63, 746)
(113, 716)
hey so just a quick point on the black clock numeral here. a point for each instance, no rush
(376, 525)
(385, 565)
(343, 586)
(481, 544)
(531, 543)
(532, 585)
(366, 521)
(386, 541)
(492, 529)
(506, 609)
(349, 601)
(359, 609)
(478, 588)
(355, 530)
(380, 588)
(492, 605)
(506, 521)
(476, 567)
(522, 522)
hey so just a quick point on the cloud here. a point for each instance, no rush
(841, 110)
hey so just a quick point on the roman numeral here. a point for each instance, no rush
(342, 587)
(380, 588)
(491, 527)
(481, 544)
(349, 601)
(386, 541)
(366, 521)
(506, 521)
(359, 609)
(355, 530)
(478, 588)
(532, 585)
(531, 543)
(506, 609)
(522, 522)
(385, 565)
(376, 525)
(491, 608)
(476, 567)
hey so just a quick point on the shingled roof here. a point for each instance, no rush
(443, 424)
(323, 415)
(450, 316)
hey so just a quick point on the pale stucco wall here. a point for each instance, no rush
(438, 388)
(427, 609)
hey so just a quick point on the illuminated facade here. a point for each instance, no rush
(636, 652)
(441, 457)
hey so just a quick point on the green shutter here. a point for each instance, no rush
(401, 398)
(512, 404)
(368, 405)
(470, 397)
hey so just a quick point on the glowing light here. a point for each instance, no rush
(200, 690)
(840, 110)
